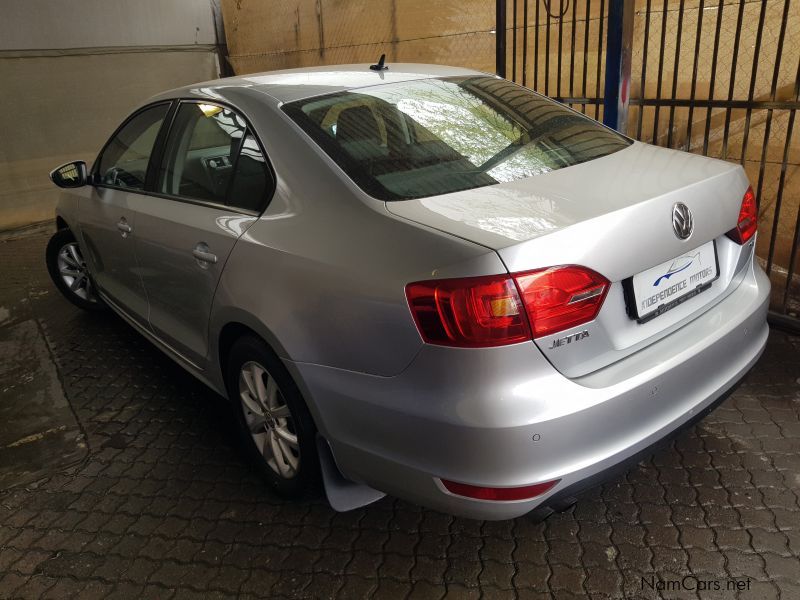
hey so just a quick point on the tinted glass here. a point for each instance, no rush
(124, 160)
(200, 152)
(435, 136)
(251, 179)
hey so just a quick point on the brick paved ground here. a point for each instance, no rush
(163, 507)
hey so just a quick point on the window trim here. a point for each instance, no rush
(159, 147)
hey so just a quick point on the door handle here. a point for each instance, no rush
(203, 255)
(123, 227)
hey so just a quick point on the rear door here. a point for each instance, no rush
(211, 185)
(108, 217)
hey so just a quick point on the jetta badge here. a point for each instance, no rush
(682, 221)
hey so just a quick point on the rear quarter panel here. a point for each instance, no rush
(322, 273)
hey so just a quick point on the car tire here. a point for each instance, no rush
(275, 428)
(69, 272)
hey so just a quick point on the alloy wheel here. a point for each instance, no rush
(73, 271)
(269, 420)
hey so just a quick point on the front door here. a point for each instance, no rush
(212, 183)
(108, 217)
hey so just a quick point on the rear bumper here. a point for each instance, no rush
(472, 415)
(566, 494)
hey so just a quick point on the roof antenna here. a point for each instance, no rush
(380, 66)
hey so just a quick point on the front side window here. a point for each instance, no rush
(211, 156)
(435, 136)
(125, 157)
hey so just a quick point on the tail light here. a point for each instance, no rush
(559, 298)
(471, 312)
(747, 224)
(498, 494)
(478, 312)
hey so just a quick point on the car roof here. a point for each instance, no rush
(289, 85)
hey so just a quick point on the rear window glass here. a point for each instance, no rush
(436, 136)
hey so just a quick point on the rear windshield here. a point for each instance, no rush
(434, 136)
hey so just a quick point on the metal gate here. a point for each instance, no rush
(714, 77)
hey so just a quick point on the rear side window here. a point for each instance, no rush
(210, 155)
(125, 157)
(251, 179)
(435, 136)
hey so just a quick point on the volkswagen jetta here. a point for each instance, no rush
(423, 281)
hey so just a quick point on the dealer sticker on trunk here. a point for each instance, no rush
(663, 287)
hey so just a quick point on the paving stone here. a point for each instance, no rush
(163, 506)
(357, 587)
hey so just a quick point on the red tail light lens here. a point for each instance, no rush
(478, 312)
(747, 223)
(470, 312)
(498, 494)
(559, 298)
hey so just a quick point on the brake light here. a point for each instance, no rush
(560, 298)
(498, 494)
(747, 224)
(478, 312)
(470, 312)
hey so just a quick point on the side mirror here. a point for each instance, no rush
(70, 175)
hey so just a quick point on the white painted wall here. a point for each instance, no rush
(71, 70)
(58, 24)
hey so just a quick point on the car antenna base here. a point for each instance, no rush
(380, 65)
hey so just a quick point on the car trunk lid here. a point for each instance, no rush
(614, 216)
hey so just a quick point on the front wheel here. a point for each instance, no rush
(69, 272)
(275, 426)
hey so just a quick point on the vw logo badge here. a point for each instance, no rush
(682, 221)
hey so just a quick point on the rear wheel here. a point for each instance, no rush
(69, 272)
(275, 427)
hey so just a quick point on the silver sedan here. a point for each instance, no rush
(421, 281)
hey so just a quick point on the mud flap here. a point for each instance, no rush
(343, 495)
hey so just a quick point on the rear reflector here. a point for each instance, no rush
(498, 494)
(747, 224)
(479, 312)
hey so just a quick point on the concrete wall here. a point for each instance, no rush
(274, 35)
(70, 72)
